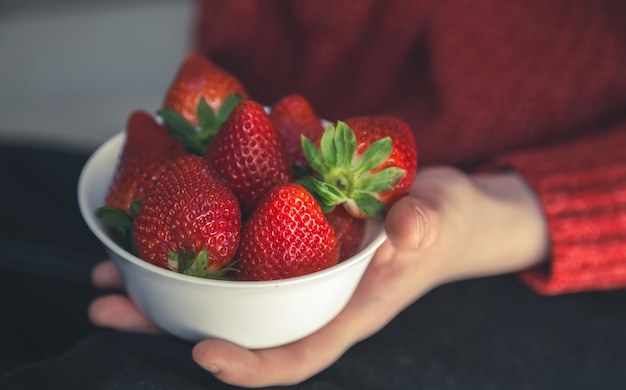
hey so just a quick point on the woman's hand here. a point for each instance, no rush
(450, 227)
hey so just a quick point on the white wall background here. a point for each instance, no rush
(70, 72)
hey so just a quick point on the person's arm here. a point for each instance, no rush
(452, 226)
(581, 186)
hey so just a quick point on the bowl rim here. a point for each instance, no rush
(96, 228)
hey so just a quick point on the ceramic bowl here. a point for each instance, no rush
(252, 314)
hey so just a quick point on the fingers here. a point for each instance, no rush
(415, 222)
(284, 365)
(367, 312)
(412, 224)
(295, 362)
(105, 276)
(117, 312)
(239, 366)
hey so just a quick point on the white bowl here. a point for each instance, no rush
(252, 314)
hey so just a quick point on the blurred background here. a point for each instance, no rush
(72, 70)
(70, 73)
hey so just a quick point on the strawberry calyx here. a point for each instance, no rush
(188, 262)
(343, 176)
(196, 139)
(120, 223)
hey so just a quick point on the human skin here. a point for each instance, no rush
(451, 226)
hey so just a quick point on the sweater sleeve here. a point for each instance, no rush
(582, 188)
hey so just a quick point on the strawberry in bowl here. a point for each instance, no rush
(234, 235)
(254, 314)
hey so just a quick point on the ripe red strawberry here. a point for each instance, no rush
(293, 116)
(286, 236)
(198, 77)
(147, 151)
(349, 230)
(190, 222)
(198, 101)
(364, 163)
(247, 154)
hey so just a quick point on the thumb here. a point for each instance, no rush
(412, 224)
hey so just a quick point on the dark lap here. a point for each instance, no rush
(488, 333)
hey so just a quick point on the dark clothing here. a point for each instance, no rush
(491, 333)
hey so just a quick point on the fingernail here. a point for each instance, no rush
(422, 227)
(212, 369)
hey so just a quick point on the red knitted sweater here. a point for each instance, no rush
(536, 85)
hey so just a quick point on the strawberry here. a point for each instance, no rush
(286, 236)
(190, 221)
(247, 154)
(147, 151)
(199, 100)
(365, 163)
(349, 231)
(198, 77)
(293, 116)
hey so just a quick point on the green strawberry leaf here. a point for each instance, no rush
(196, 140)
(376, 154)
(222, 273)
(326, 209)
(345, 176)
(192, 264)
(307, 183)
(227, 106)
(120, 224)
(182, 131)
(329, 194)
(134, 208)
(327, 148)
(202, 261)
(344, 146)
(369, 205)
(184, 259)
(206, 118)
(380, 181)
(313, 156)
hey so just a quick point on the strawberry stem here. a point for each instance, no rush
(120, 225)
(183, 261)
(188, 262)
(183, 131)
(196, 140)
(367, 204)
(202, 262)
(344, 177)
(227, 106)
(206, 120)
(344, 142)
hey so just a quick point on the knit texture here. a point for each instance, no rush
(536, 85)
(583, 196)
